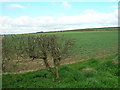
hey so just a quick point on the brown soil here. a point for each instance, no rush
(115, 62)
(62, 63)
(87, 69)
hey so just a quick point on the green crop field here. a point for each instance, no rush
(99, 48)
(93, 43)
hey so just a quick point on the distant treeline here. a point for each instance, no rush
(89, 29)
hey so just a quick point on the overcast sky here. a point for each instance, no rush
(28, 17)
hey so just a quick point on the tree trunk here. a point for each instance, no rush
(56, 65)
(48, 67)
(57, 73)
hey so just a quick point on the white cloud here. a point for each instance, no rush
(15, 6)
(87, 19)
(65, 4)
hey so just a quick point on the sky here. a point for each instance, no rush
(30, 17)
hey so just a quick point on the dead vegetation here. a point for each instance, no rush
(87, 69)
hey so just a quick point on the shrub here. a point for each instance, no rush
(93, 60)
(89, 74)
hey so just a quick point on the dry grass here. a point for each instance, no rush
(87, 69)
(115, 62)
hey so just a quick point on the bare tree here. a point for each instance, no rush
(55, 46)
(43, 45)
(38, 48)
(59, 49)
